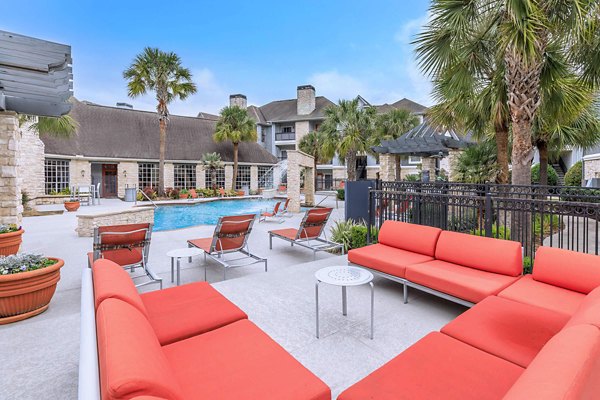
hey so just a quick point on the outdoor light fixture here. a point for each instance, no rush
(125, 173)
(82, 173)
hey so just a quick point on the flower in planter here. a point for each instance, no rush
(7, 228)
(23, 262)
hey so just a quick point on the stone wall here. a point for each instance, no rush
(11, 209)
(87, 223)
(372, 172)
(80, 172)
(127, 174)
(228, 176)
(428, 164)
(306, 99)
(302, 128)
(31, 163)
(453, 156)
(387, 165)
(253, 179)
(200, 176)
(591, 168)
(169, 175)
(339, 173)
(297, 160)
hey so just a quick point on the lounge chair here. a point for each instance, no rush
(230, 236)
(221, 192)
(285, 212)
(193, 194)
(127, 245)
(309, 233)
(274, 214)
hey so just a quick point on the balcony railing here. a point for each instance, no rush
(285, 136)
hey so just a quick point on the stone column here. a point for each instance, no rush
(453, 156)
(31, 163)
(228, 176)
(80, 172)
(253, 179)
(200, 176)
(127, 174)
(387, 166)
(302, 128)
(428, 164)
(293, 182)
(11, 209)
(309, 186)
(169, 175)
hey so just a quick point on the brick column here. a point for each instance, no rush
(228, 176)
(387, 165)
(11, 208)
(253, 178)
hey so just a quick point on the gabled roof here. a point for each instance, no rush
(206, 115)
(111, 132)
(286, 110)
(404, 104)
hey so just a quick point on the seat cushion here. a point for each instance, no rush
(112, 281)
(437, 367)
(180, 312)
(588, 311)
(387, 259)
(487, 254)
(465, 283)
(528, 291)
(131, 360)
(567, 368)
(289, 233)
(410, 237)
(567, 269)
(507, 329)
(239, 361)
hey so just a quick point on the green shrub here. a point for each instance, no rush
(552, 175)
(341, 194)
(358, 236)
(341, 232)
(501, 232)
(527, 266)
(413, 177)
(574, 175)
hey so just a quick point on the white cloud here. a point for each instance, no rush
(335, 85)
(407, 32)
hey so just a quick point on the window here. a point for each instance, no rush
(414, 160)
(185, 176)
(265, 177)
(287, 129)
(283, 155)
(148, 175)
(56, 174)
(243, 177)
(220, 178)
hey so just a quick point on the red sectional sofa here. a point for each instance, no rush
(187, 342)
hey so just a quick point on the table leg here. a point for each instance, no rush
(372, 307)
(172, 270)
(344, 301)
(317, 305)
(178, 271)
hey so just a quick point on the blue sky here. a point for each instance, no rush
(263, 49)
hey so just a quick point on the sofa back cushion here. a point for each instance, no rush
(483, 253)
(588, 311)
(112, 281)
(567, 269)
(567, 368)
(131, 360)
(410, 237)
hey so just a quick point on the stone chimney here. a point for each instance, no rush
(306, 99)
(238, 100)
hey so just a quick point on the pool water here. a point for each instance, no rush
(184, 216)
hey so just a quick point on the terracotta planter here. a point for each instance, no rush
(72, 205)
(27, 294)
(183, 196)
(241, 193)
(10, 242)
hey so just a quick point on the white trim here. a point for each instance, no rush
(139, 160)
(590, 157)
(413, 162)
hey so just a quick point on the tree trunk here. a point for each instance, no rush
(351, 165)
(542, 147)
(398, 161)
(502, 152)
(161, 160)
(235, 165)
(522, 153)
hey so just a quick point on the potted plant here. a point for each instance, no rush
(184, 194)
(10, 239)
(27, 284)
(72, 204)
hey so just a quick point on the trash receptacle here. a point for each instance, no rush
(130, 193)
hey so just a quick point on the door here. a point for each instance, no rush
(109, 180)
(361, 167)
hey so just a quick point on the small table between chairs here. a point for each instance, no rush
(344, 276)
(178, 254)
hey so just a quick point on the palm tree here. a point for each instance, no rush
(236, 126)
(162, 73)
(392, 125)
(212, 162)
(477, 164)
(314, 144)
(61, 127)
(349, 130)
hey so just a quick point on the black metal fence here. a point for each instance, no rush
(565, 217)
(328, 183)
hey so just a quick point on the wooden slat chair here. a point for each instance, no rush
(275, 214)
(309, 233)
(127, 245)
(230, 236)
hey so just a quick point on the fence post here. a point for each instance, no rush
(488, 217)
(370, 216)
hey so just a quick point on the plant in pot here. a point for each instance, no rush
(10, 239)
(72, 204)
(184, 194)
(27, 284)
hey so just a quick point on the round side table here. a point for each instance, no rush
(178, 254)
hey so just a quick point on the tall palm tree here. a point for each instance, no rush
(236, 126)
(314, 144)
(350, 131)
(392, 125)
(162, 73)
(212, 162)
(61, 127)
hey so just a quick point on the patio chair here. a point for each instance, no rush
(85, 194)
(309, 233)
(221, 192)
(285, 212)
(230, 236)
(127, 245)
(193, 194)
(274, 214)
(97, 193)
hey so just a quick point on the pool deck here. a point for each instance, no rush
(40, 356)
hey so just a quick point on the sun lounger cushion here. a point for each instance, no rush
(567, 269)
(112, 281)
(130, 358)
(387, 259)
(567, 368)
(588, 311)
(529, 291)
(289, 233)
(466, 283)
(180, 312)
(246, 362)
(487, 254)
(410, 237)
(438, 367)
(513, 331)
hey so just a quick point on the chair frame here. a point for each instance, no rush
(219, 255)
(277, 214)
(285, 212)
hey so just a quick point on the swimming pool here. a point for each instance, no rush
(184, 216)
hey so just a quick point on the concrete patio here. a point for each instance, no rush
(40, 355)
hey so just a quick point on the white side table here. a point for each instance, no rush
(178, 254)
(344, 276)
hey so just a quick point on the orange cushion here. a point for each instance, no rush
(465, 283)
(202, 244)
(437, 367)
(588, 311)
(487, 254)
(411, 237)
(130, 358)
(112, 281)
(289, 233)
(239, 361)
(513, 331)
(527, 290)
(180, 312)
(387, 259)
(567, 368)
(567, 269)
